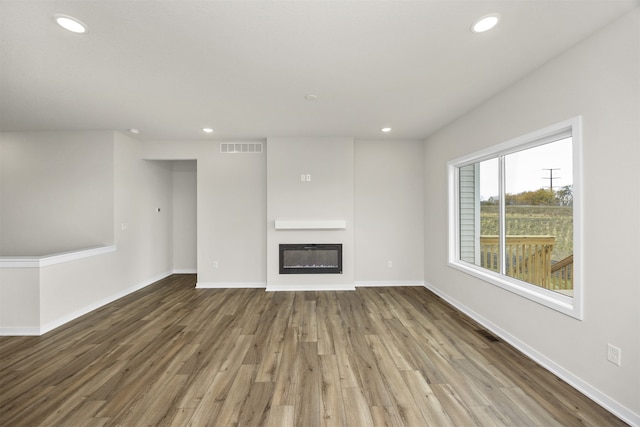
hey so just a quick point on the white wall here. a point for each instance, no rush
(87, 184)
(389, 217)
(231, 211)
(185, 244)
(328, 196)
(232, 219)
(599, 80)
(38, 299)
(19, 301)
(144, 250)
(55, 191)
(141, 187)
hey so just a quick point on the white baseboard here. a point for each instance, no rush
(229, 285)
(273, 288)
(185, 271)
(11, 331)
(49, 326)
(583, 387)
(303, 288)
(387, 283)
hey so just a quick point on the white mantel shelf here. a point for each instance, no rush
(301, 224)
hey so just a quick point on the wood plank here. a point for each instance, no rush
(286, 383)
(344, 351)
(432, 410)
(453, 405)
(306, 375)
(356, 408)
(385, 416)
(309, 322)
(170, 354)
(403, 403)
(324, 328)
(282, 416)
(530, 407)
(238, 394)
(271, 350)
(255, 408)
(332, 409)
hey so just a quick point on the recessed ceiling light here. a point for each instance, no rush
(311, 97)
(385, 130)
(134, 131)
(70, 23)
(486, 23)
(207, 130)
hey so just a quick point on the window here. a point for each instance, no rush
(514, 216)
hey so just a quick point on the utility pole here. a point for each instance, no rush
(551, 177)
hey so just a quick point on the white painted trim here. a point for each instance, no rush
(230, 285)
(19, 331)
(283, 224)
(571, 306)
(19, 262)
(530, 140)
(387, 283)
(185, 271)
(579, 384)
(49, 326)
(309, 287)
(47, 260)
(554, 300)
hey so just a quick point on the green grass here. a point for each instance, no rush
(534, 220)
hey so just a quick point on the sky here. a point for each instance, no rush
(527, 170)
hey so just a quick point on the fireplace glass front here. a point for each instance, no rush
(312, 258)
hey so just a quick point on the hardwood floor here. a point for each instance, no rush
(173, 355)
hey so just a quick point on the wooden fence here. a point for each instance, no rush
(562, 274)
(528, 258)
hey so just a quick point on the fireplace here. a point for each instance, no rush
(312, 258)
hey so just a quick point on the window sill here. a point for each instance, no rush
(557, 301)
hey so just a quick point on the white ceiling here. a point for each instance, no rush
(170, 68)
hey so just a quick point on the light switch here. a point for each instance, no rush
(308, 177)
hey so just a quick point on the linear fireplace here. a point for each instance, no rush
(312, 258)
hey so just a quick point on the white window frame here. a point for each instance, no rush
(572, 306)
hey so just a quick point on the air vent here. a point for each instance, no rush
(240, 147)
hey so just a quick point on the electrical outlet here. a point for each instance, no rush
(215, 264)
(390, 264)
(614, 355)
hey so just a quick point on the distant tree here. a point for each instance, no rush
(541, 197)
(564, 196)
(493, 200)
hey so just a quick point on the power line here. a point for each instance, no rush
(551, 177)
